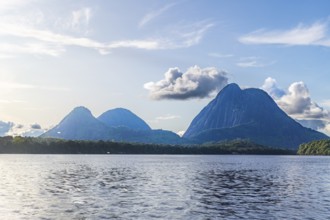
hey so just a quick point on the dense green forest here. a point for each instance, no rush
(321, 147)
(29, 145)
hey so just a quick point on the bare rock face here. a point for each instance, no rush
(248, 114)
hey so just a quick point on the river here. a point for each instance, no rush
(164, 187)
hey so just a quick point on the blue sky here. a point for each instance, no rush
(163, 60)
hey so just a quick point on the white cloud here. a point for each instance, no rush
(13, 85)
(80, 18)
(35, 126)
(34, 32)
(192, 34)
(297, 103)
(270, 86)
(5, 127)
(6, 56)
(326, 103)
(219, 55)
(7, 101)
(9, 50)
(76, 22)
(316, 124)
(13, 4)
(326, 129)
(50, 43)
(140, 44)
(33, 130)
(154, 14)
(246, 62)
(194, 83)
(44, 41)
(22, 31)
(167, 117)
(314, 34)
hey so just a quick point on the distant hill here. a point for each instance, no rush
(114, 125)
(120, 117)
(123, 134)
(79, 124)
(248, 114)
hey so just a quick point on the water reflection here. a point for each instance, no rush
(164, 187)
(275, 190)
(84, 190)
(235, 193)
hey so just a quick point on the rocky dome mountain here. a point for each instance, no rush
(248, 114)
(79, 124)
(120, 117)
(114, 125)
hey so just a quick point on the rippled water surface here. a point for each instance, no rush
(164, 187)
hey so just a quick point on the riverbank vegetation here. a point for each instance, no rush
(30, 145)
(321, 147)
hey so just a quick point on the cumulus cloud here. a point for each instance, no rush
(32, 133)
(19, 126)
(326, 103)
(296, 102)
(326, 129)
(12, 129)
(194, 83)
(33, 130)
(314, 124)
(270, 86)
(35, 126)
(5, 127)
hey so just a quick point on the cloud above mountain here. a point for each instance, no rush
(5, 127)
(35, 126)
(297, 102)
(270, 86)
(194, 83)
(12, 129)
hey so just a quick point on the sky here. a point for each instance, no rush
(163, 60)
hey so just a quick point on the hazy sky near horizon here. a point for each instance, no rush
(163, 60)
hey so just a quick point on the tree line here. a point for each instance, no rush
(320, 147)
(32, 145)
